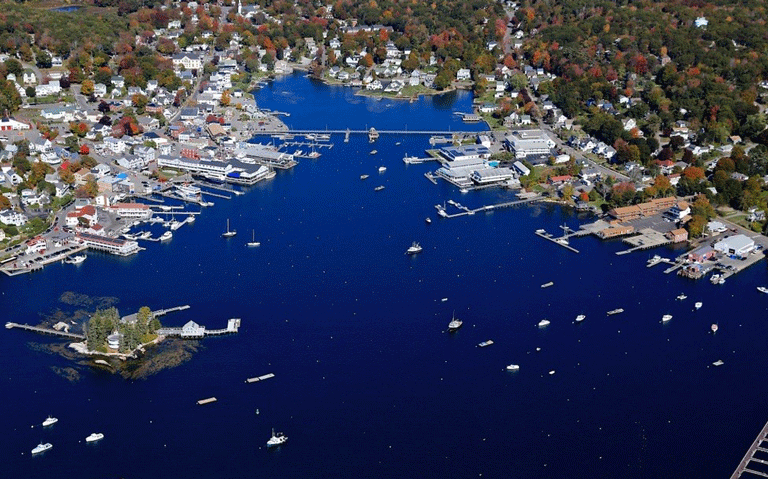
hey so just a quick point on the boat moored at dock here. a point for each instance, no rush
(166, 236)
(77, 259)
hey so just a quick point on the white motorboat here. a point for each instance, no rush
(373, 152)
(681, 296)
(191, 219)
(363, 177)
(96, 436)
(455, 323)
(719, 362)
(547, 285)
(414, 249)
(166, 236)
(228, 233)
(174, 225)
(444, 300)
(50, 421)
(666, 318)
(543, 323)
(486, 343)
(762, 289)
(253, 241)
(42, 448)
(580, 318)
(713, 327)
(654, 261)
(513, 367)
(145, 235)
(382, 169)
(77, 259)
(428, 220)
(698, 304)
(379, 188)
(552, 372)
(276, 439)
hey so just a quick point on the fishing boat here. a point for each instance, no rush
(666, 318)
(547, 285)
(580, 318)
(414, 249)
(364, 177)
(253, 241)
(455, 323)
(276, 439)
(698, 304)
(485, 343)
(166, 236)
(42, 448)
(762, 289)
(615, 311)
(50, 421)
(228, 233)
(543, 323)
(96, 436)
(513, 367)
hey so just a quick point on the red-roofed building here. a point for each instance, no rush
(559, 179)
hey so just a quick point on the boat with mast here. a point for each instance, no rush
(253, 241)
(229, 233)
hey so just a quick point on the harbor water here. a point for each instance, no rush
(368, 383)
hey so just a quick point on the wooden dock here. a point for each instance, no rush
(41, 330)
(260, 378)
(749, 456)
(558, 241)
(467, 211)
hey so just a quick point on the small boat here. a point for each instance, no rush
(50, 421)
(166, 236)
(717, 279)
(762, 289)
(373, 152)
(485, 343)
(513, 367)
(382, 169)
(414, 249)
(364, 177)
(96, 436)
(714, 327)
(580, 318)
(191, 219)
(552, 372)
(666, 318)
(454, 324)
(444, 300)
(174, 225)
(379, 188)
(654, 261)
(253, 241)
(397, 144)
(428, 220)
(698, 304)
(543, 323)
(547, 285)
(145, 235)
(276, 439)
(77, 259)
(681, 296)
(615, 311)
(228, 233)
(719, 362)
(42, 448)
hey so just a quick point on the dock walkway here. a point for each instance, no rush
(562, 241)
(467, 211)
(41, 330)
(749, 456)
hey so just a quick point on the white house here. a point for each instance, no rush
(11, 124)
(10, 217)
(188, 61)
(463, 74)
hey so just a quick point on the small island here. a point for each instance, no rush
(107, 333)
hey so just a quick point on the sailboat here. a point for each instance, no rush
(253, 241)
(228, 233)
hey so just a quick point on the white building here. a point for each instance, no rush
(529, 142)
(188, 61)
(10, 217)
(736, 245)
(131, 210)
(463, 74)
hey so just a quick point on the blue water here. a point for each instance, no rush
(367, 382)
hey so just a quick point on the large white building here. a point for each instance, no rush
(10, 217)
(529, 143)
(110, 245)
(131, 210)
(736, 245)
(188, 61)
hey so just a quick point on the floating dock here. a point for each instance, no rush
(203, 402)
(41, 330)
(757, 445)
(558, 241)
(260, 378)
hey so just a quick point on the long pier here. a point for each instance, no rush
(467, 211)
(563, 241)
(41, 330)
(749, 456)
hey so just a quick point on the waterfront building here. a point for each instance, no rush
(192, 330)
(737, 245)
(678, 235)
(110, 245)
(131, 210)
(113, 340)
(649, 208)
(491, 175)
(525, 143)
(465, 152)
